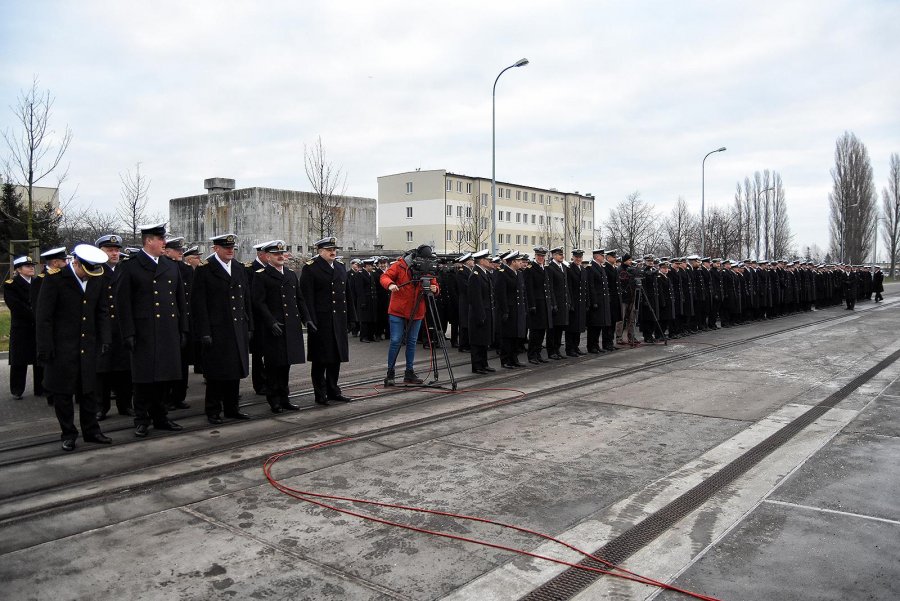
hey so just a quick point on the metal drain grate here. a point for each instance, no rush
(567, 584)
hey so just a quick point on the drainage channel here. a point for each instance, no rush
(570, 582)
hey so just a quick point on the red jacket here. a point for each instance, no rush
(402, 300)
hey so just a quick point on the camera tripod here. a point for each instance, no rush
(432, 316)
(638, 297)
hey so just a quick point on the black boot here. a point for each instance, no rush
(389, 378)
(410, 377)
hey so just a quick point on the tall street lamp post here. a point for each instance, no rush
(703, 201)
(519, 63)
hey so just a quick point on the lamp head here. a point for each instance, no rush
(721, 149)
(521, 62)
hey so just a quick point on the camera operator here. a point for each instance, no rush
(404, 280)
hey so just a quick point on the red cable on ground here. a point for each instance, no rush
(311, 497)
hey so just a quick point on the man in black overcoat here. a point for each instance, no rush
(509, 292)
(598, 305)
(53, 260)
(223, 322)
(878, 284)
(615, 301)
(363, 288)
(577, 281)
(71, 326)
(539, 296)
(323, 283)
(177, 392)
(461, 274)
(481, 309)
(114, 367)
(282, 314)
(150, 308)
(22, 344)
(257, 352)
(562, 300)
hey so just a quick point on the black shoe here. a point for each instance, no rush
(580, 352)
(238, 415)
(555, 356)
(534, 361)
(179, 405)
(142, 430)
(17, 397)
(215, 419)
(571, 354)
(489, 369)
(340, 397)
(320, 400)
(127, 412)
(68, 444)
(480, 372)
(507, 365)
(389, 378)
(101, 415)
(410, 377)
(260, 392)
(168, 425)
(275, 408)
(98, 438)
(542, 360)
(519, 364)
(289, 406)
(594, 351)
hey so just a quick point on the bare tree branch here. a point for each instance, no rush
(329, 183)
(132, 208)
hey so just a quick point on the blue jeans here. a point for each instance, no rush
(412, 336)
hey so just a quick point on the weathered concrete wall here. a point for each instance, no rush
(260, 214)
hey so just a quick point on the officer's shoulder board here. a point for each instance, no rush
(250, 264)
(310, 262)
(52, 270)
(259, 270)
(8, 281)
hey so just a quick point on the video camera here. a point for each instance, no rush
(422, 261)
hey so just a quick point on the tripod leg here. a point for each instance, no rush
(436, 318)
(656, 321)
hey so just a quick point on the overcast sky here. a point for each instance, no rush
(618, 97)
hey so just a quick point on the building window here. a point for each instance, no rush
(409, 212)
(507, 193)
(542, 199)
(468, 236)
(509, 238)
(468, 211)
(518, 195)
(518, 217)
(542, 239)
(518, 238)
(508, 216)
(484, 223)
(449, 210)
(499, 215)
(533, 196)
(468, 188)
(532, 240)
(409, 237)
(541, 221)
(288, 248)
(449, 185)
(459, 211)
(409, 187)
(449, 235)
(484, 199)
(459, 186)
(532, 218)
(459, 236)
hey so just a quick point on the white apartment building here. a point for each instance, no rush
(452, 212)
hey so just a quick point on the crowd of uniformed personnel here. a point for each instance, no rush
(97, 328)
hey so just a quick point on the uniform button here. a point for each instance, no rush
(82, 335)
(173, 315)
(82, 351)
(157, 316)
(84, 319)
(156, 292)
(157, 304)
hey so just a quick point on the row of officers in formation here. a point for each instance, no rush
(516, 303)
(96, 327)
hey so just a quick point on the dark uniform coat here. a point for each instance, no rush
(277, 298)
(578, 289)
(71, 323)
(666, 297)
(615, 294)
(150, 306)
(325, 290)
(598, 298)
(562, 299)
(364, 287)
(22, 345)
(461, 274)
(509, 292)
(256, 343)
(538, 296)
(481, 307)
(117, 358)
(221, 308)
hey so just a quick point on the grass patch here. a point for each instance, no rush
(5, 319)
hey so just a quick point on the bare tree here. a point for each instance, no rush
(852, 200)
(36, 151)
(86, 225)
(329, 183)
(680, 229)
(574, 222)
(549, 228)
(781, 235)
(723, 238)
(890, 223)
(132, 208)
(632, 224)
(474, 226)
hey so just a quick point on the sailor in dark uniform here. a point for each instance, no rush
(577, 279)
(282, 314)
(71, 325)
(481, 308)
(150, 308)
(53, 259)
(461, 273)
(114, 367)
(509, 292)
(175, 396)
(22, 345)
(222, 313)
(364, 287)
(323, 283)
(257, 353)
(598, 305)
(562, 300)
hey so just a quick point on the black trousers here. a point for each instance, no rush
(324, 378)
(149, 406)
(277, 381)
(367, 330)
(554, 339)
(17, 377)
(65, 413)
(593, 337)
(608, 334)
(509, 350)
(479, 356)
(535, 342)
(463, 338)
(573, 341)
(118, 382)
(222, 394)
(258, 373)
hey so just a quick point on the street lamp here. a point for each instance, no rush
(703, 201)
(519, 63)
